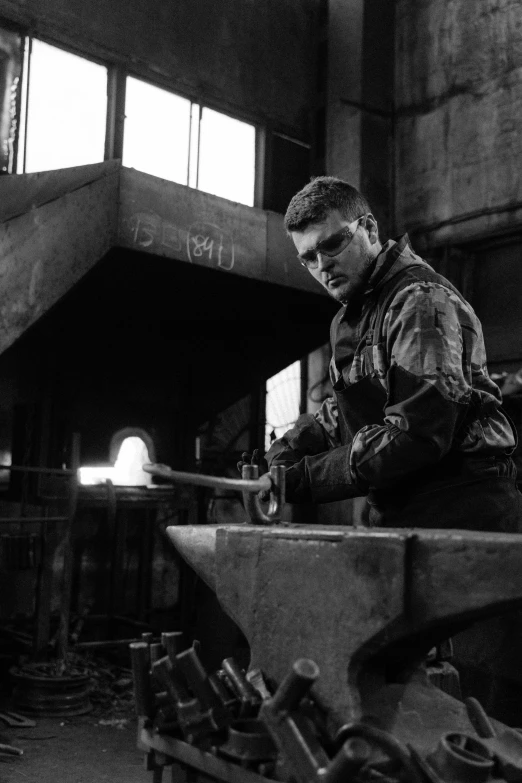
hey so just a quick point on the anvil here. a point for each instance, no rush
(354, 600)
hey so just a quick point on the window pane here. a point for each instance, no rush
(283, 392)
(67, 109)
(227, 156)
(157, 130)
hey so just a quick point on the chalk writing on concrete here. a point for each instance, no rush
(144, 227)
(202, 242)
(206, 240)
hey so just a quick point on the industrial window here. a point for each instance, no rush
(171, 137)
(283, 399)
(157, 131)
(227, 157)
(64, 109)
(63, 123)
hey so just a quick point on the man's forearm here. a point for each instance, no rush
(306, 437)
(323, 478)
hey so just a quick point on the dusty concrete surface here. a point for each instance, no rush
(74, 750)
(458, 100)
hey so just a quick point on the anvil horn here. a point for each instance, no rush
(197, 545)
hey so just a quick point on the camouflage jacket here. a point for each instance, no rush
(411, 391)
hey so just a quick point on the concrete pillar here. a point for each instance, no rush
(359, 120)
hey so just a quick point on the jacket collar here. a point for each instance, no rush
(395, 255)
(393, 258)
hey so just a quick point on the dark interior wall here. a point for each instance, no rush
(252, 58)
(497, 299)
(141, 342)
(458, 98)
(360, 98)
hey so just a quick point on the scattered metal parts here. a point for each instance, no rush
(248, 696)
(172, 642)
(50, 690)
(460, 758)
(384, 741)
(204, 688)
(249, 742)
(10, 750)
(143, 694)
(479, 719)
(295, 736)
(504, 743)
(425, 768)
(194, 720)
(351, 759)
(256, 679)
(16, 720)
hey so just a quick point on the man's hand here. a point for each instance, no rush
(256, 458)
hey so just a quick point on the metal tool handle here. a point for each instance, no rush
(277, 494)
(250, 484)
(140, 661)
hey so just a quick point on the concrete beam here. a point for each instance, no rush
(190, 226)
(49, 248)
(55, 226)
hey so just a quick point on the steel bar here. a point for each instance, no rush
(48, 471)
(18, 636)
(67, 576)
(140, 661)
(129, 621)
(44, 590)
(173, 643)
(5, 520)
(105, 643)
(215, 768)
(201, 480)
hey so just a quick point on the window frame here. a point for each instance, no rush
(197, 106)
(23, 99)
(116, 91)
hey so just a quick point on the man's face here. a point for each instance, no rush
(345, 276)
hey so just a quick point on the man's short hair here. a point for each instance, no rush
(321, 196)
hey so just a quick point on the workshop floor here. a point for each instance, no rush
(74, 750)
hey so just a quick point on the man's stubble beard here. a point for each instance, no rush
(354, 298)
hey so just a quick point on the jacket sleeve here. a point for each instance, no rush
(429, 337)
(311, 434)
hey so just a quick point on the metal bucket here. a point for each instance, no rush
(52, 696)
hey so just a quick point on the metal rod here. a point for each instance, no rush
(105, 643)
(296, 685)
(68, 564)
(140, 661)
(256, 485)
(5, 520)
(50, 471)
(129, 621)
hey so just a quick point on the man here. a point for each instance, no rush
(415, 423)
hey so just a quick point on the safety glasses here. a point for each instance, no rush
(331, 246)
